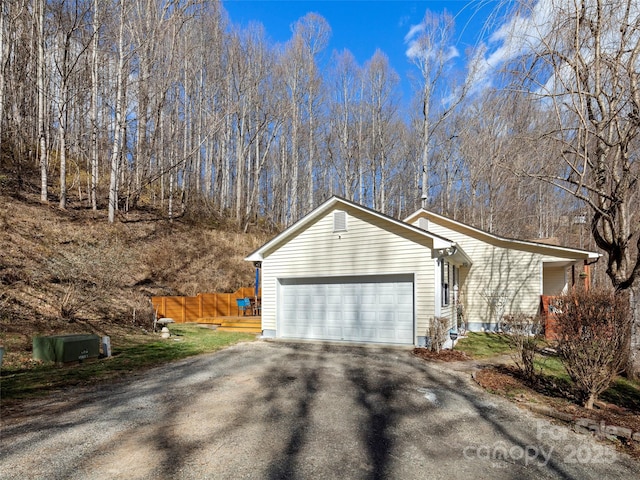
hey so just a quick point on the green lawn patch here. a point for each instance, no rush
(624, 393)
(136, 354)
(553, 380)
(551, 366)
(483, 345)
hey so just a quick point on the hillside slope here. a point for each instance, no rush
(72, 272)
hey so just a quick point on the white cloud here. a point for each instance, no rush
(419, 49)
(414, 31)
(525, 30)
(452, 53)
(521, 33)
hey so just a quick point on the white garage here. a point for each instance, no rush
(348, 273)
(368, 309)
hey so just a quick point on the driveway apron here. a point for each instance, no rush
(272, 410)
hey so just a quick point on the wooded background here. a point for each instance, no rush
(167, 103)
(128, 104)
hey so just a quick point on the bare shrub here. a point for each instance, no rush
(593, 330)
(102, 263)
(203, 261)
(69, 303)
(523, 334)
(461, 321)
(142, 313)
(437, 333)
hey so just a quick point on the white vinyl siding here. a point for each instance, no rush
(505, 277)
(371, 246)
(511, 279)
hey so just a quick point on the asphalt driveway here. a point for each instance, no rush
(269, 410)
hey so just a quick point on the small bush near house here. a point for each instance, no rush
(593, 330)
(437, 333)
(523, 338)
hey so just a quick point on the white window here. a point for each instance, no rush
(448, 278)
(444, 279)
(339, 221)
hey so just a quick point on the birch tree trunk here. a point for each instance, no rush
(3, 56)
(311, 152)
(62, 145)
(115, 151)
(361, 114)
(63, 69)
(42, 135)
(95, 59)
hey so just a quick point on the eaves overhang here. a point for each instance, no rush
(336, 202)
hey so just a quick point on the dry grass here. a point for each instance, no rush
(70, 271)
(621, 410)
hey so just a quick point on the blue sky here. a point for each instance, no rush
(362, 26)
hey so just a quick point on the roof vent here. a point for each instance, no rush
(339, 221)
(423, 223)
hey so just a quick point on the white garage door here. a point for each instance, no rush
(356, 309)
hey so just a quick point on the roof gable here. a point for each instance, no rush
(336, 203)
(496, 240)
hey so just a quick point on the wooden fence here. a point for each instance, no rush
(548, 309)
(202, 306)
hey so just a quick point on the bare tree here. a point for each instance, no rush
(10, 14)
(118, 124)
(583, 66)
(431, 50)
(448, 165)
(95, 68)
(580, 59)
(71, 46)
(315, 32)
(593, 329)
(264, 124)
(523, 337)
(343, 103)
(295, 77)
(204, 113)
(381, 103)
(4, 55)
(42, 136)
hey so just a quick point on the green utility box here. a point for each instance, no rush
(66, 348)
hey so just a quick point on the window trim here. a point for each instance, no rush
(449, 277)
(445, 283)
